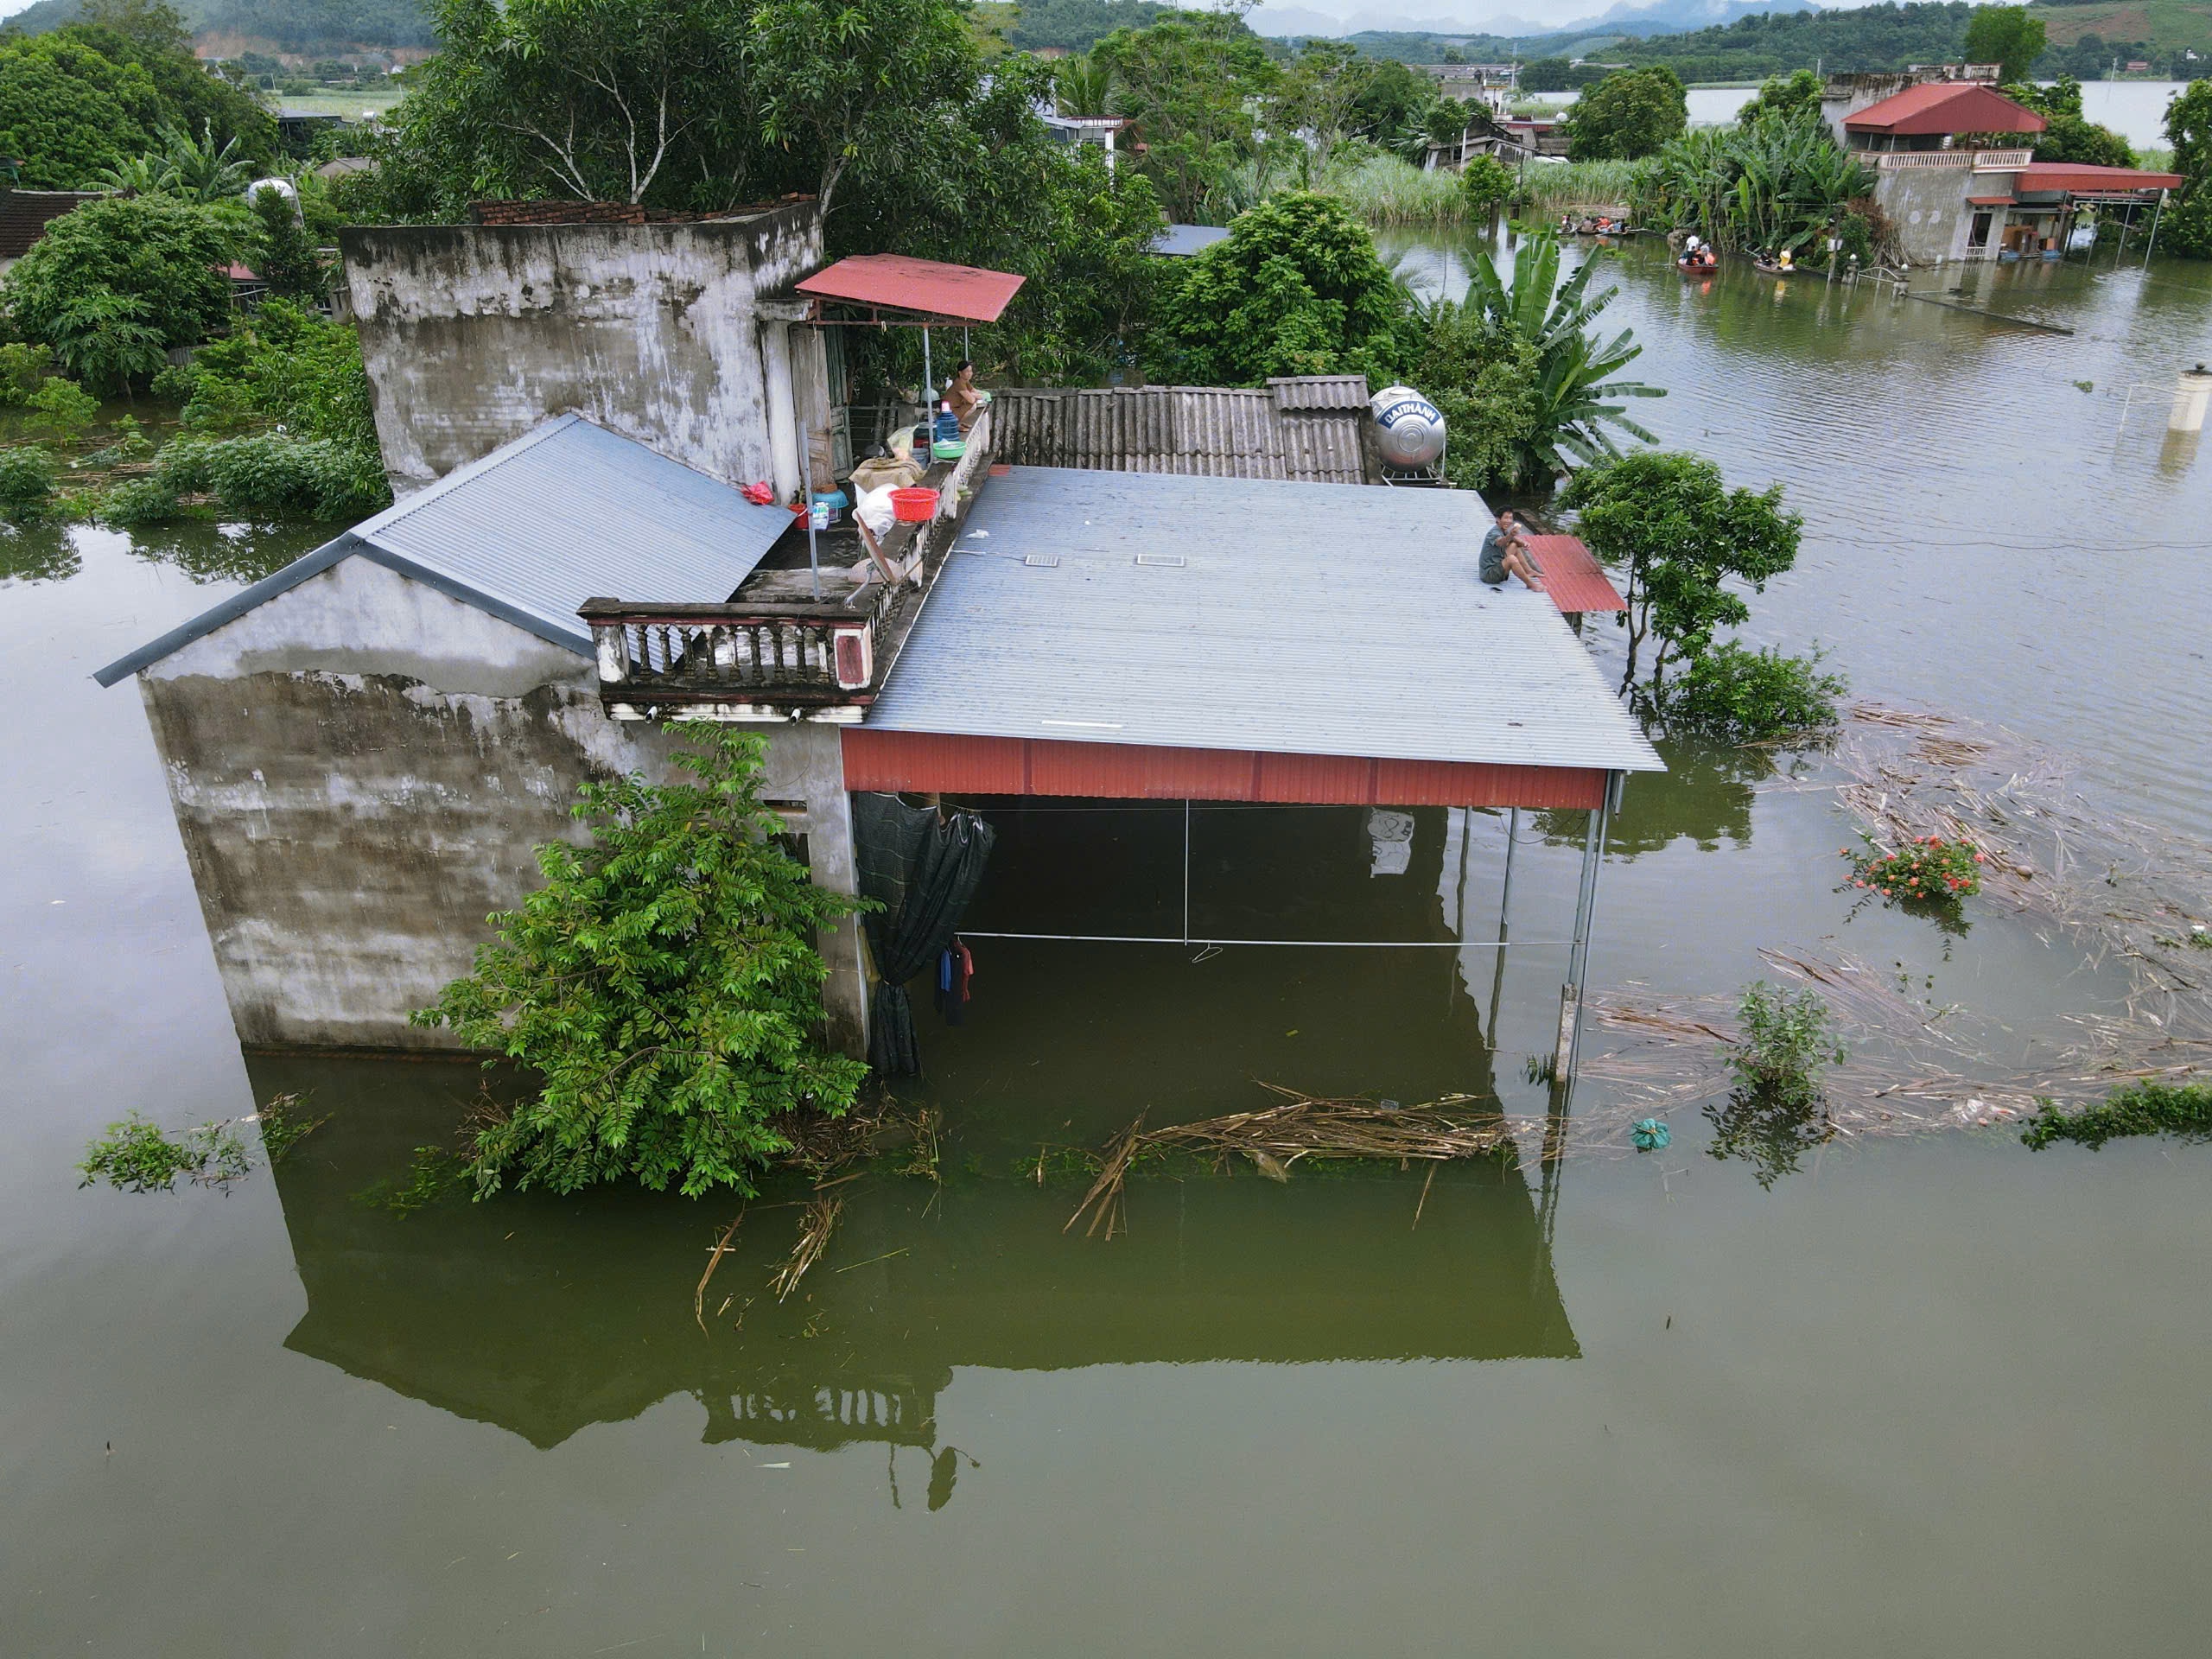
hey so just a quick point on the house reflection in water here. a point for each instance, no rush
(547, 1315)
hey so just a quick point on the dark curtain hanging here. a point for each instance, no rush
(922, 866)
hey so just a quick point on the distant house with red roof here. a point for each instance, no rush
(1955, 165)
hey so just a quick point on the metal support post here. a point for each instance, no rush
(1187, 872)
(2153, 242)
(1586, 903)
(806, 498)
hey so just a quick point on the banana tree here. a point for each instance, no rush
(1578, 394)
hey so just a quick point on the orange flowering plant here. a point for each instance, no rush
(1928, 867)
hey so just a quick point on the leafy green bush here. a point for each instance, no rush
(1486, 181)
(1788, 1039)
(24, 367)
(26, 483)
(2183, 1109)
(62, 409)
(664, 986)
(1735, 695)
(135, 1155)
(138, 501)
(113, 284)
(270, 472)
(283, 367)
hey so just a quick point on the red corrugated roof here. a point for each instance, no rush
(1572, 576)
(2073, 176)
(1941, 106)
(920, 285)
(944, 763)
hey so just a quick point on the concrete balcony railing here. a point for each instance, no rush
(769, 653)
(1982, 161)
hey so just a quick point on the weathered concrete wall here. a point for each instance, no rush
(1927, 205)
(353, 808)
(473, 334)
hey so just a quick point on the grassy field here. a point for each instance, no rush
(2162, 23)
(353, 105)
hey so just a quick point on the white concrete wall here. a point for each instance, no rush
(361, 770)
(473, 334)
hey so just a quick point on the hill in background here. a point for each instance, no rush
(294, 26)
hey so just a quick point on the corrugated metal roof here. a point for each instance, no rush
(924, 285)
(1942, 106)
(1236, 613)
(1320, 391)
(1210, 431)
(567, 512)
(1574, 581)
(570, 511)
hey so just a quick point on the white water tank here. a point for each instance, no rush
(2192, 393)
(1409, 428)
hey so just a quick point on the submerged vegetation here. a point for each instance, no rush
(2183, 1109)
(135, 1154)
(664, 989)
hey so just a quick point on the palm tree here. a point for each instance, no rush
(1083, 85)
(1575, 372)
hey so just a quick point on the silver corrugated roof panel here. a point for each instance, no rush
(1210, 431)
(567, 512)
(1182, 241)
(570, 512)
(1320, 391)
(1301, 620)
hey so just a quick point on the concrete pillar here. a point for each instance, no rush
(817, 775)
(782, 425)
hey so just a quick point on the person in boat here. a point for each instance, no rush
(1505, 553)
(1784, 261)
(1707, 258)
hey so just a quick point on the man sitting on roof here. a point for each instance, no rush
(1505, 554)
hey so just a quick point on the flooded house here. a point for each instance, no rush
(1949, 191)
(1180, 594)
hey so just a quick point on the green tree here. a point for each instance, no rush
(1575, 390)
(112, 286)
(1682, 534)
(200, 168)
(1628, 115)
(2189, 129)
(2010, 36)
(67, 112)
(283, 257)
(1192, 82)
(663, 988)
(1486, 181)
(282, 365)
(1784, 96)
(1295, 288)
(1484, 380)
(1084, 87)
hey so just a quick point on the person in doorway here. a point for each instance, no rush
(1505, 553)
(967, 402)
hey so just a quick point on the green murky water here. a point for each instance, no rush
(1941, 1395)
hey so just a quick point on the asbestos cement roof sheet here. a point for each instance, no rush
(1243, 614)
(567, 512)
(924, 286)
(1214, 431)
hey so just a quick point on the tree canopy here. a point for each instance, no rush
(2009, 36)
(1628, 115)
(112, 286)
(2189, 129)
(1295, 288)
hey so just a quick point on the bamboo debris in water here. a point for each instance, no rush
(816, 1222)
(2123, 891)
(722, 1248)
(1275, 1138)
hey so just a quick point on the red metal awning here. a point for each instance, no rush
(893, 282)
(1571, 577)
(931, 763)
(1989, 201)
(2080, 177)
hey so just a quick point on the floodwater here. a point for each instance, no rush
(1938, 1395)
